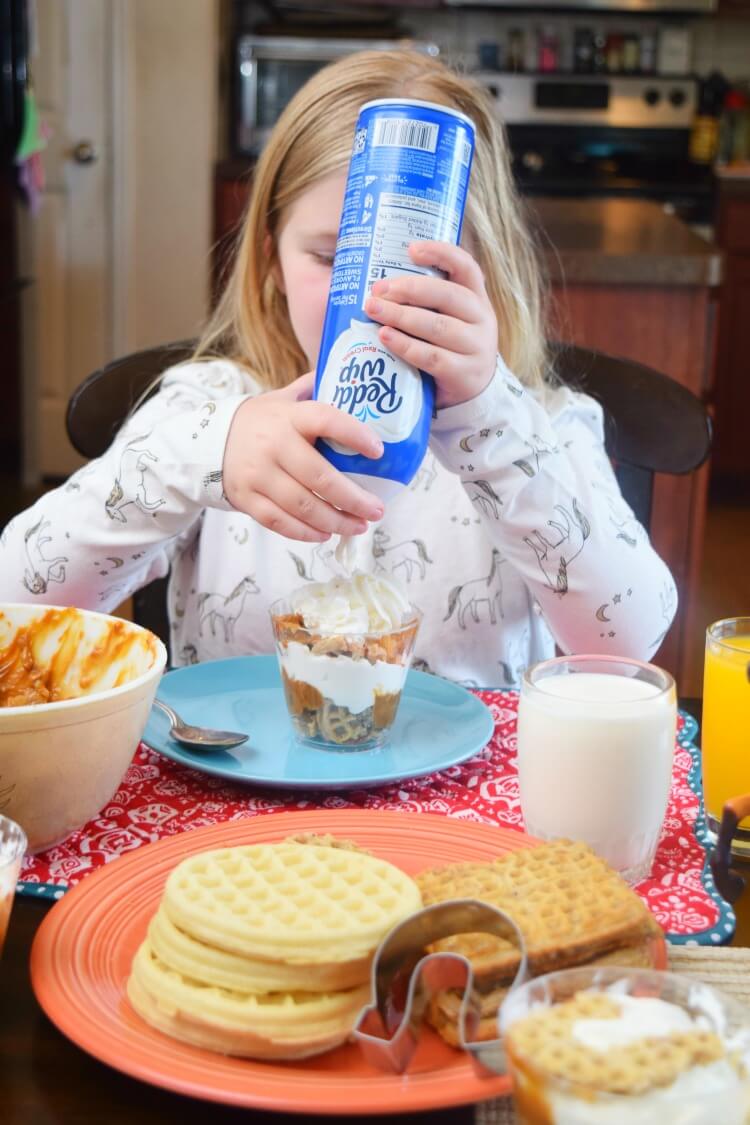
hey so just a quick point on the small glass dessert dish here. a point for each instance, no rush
(611, 1046)
(344, 649)
(12, 849)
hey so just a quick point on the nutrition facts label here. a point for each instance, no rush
(401, 219)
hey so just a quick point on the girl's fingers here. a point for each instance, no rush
(300, 390)
(303, 505)
(297, 507)
(444, 365)
(427, 292)
(433, 327)
(453, 260)
(305, 465)
(267, 513)
(320, 419)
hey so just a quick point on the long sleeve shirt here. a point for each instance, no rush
(512, 537)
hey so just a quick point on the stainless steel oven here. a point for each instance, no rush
(604, 135)
(268, 72)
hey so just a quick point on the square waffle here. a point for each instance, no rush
(569, 904)
(445, 1006)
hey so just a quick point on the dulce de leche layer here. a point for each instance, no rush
(392, 648)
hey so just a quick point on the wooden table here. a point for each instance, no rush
(46, 1080)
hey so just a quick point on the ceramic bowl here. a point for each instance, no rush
(76, 689)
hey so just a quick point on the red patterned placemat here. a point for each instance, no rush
(160, 798)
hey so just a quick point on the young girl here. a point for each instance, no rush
(512, 536)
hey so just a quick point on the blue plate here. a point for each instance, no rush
(438, 724)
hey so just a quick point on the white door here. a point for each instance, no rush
(66, 247)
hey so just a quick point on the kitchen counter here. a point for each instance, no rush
(738, 171)
(584, 241)
(621, 242)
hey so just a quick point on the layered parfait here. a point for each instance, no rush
(344, 648)
(636, 1049)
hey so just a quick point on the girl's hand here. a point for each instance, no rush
(444, 326)
(272, 472)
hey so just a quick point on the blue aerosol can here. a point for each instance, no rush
(408, 179)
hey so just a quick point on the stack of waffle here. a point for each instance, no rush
(570, 906)
(264, 951)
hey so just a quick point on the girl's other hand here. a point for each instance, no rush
(444, 326)
(273, 473)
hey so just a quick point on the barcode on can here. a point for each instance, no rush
(464, 152)
(404, 132)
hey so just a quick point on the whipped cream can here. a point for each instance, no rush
(408, 178)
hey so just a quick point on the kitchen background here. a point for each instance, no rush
(631, 141)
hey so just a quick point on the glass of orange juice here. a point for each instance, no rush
(726, 723)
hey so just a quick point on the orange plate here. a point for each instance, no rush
(81, 957)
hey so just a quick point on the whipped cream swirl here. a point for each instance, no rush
(357, 603)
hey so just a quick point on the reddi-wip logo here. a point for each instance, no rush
(365, 390)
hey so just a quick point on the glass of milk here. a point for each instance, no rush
(12, 849)
(595, 744)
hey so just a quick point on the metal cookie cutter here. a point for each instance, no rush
(404, 978)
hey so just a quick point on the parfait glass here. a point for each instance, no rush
(551, 1086)
(342, 689)
(12, 849)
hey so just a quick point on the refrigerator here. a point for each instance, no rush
(14, 43)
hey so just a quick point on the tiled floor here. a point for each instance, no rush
(724, 589)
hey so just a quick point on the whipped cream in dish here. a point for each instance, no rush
(344, 648)
(363, 603)
(346, 682)
(612, 1058)
(704, 1095)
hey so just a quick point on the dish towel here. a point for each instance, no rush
(725, 969)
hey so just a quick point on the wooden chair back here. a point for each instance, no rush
(653, 425)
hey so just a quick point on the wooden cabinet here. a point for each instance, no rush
(669, 329)
(732, 391)
(733, 9)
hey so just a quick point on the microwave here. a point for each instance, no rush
(268, 72)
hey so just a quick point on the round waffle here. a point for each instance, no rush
(277, 1025)
(203, 962)
(298, 903)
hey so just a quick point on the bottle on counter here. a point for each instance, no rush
(490, 55)
(614, 52)
(648, 52)
(548, 48)
(631, 54)
(600, 51)
(734, 130)
(531, 50)
(515, 50)
(583, 50)
(704, 134)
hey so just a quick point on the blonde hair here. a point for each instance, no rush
(311, 140)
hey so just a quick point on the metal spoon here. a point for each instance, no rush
(200, 738)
